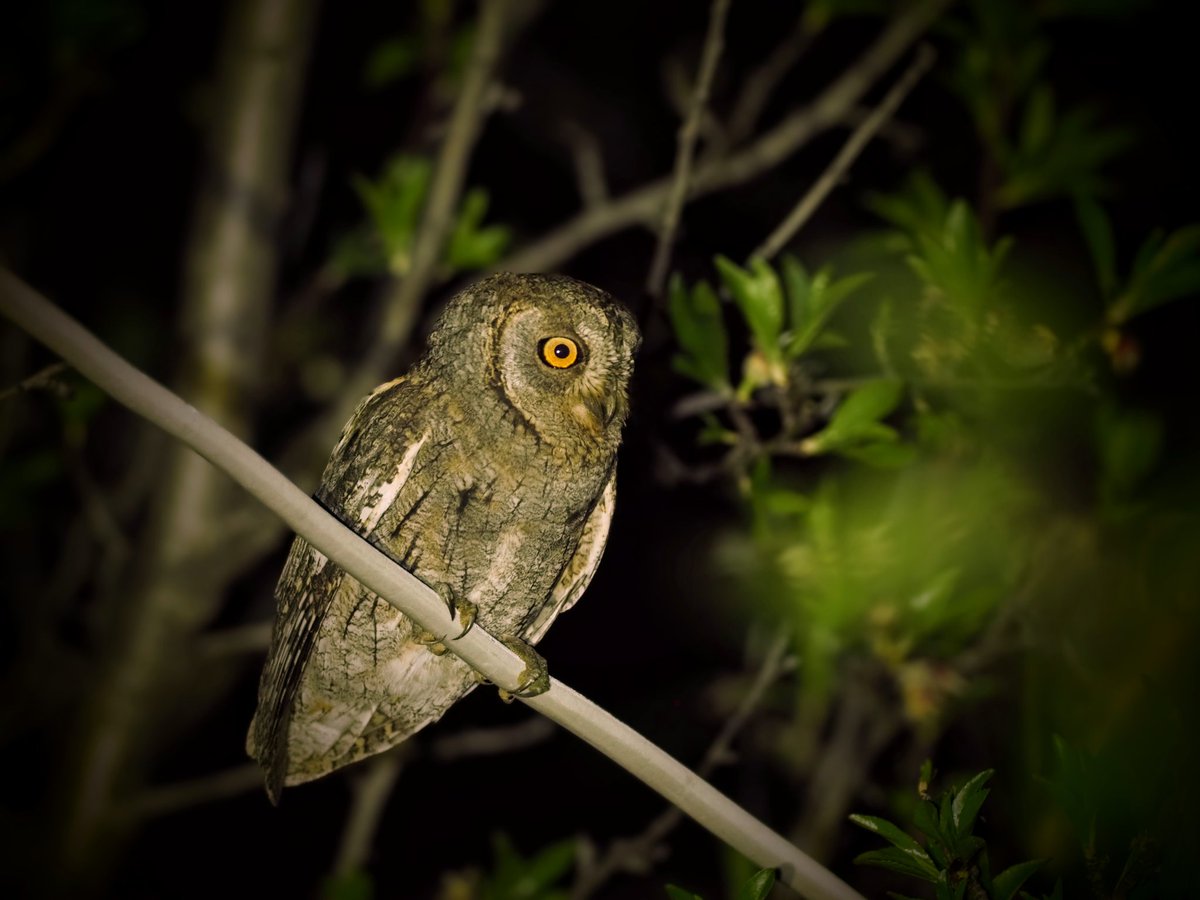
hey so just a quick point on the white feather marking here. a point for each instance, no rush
(371, 513)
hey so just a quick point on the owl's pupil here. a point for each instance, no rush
(562, 351)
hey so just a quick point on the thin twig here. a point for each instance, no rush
(589, 164)
(491, 741)
(761, 83)
(642, 205)
(372, 786)
(714, 42)
(635, 854)
(38, 380)
(449, 174)
(855, 144)
(378, 573)
(174, 798)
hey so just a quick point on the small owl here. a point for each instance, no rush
(488, 472)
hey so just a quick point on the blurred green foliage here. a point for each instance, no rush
(394, 203)
(999, 495)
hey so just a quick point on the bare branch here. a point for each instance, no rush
(372, 786)
(761, 83)
(39, 380)
(635, 854)
(589, 164)
(854, 145)
(641, 205)
(491, 741)
(186, 794)
(402, 304)
(392, 583)
(714, 42)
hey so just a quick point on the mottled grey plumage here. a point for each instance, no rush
(488, 472)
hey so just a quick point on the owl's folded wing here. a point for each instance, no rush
(310, 582)
(580, 568)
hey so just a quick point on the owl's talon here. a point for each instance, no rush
(466, 611)
(535, 677)
(432, 642)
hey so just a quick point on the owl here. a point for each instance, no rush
(488, 471)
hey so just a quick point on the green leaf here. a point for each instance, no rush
(393, 202)
(1129, 444)
(1037, 125)
(759, 296)
(811, 302)
(919, 207)
(678, 893)
(1164, 270)
(470, 246)
(700, 331)
(967, 801)
(890, 832)
(897, 860)
(1097, 229)
(759, 885)
(857, 419)
(1007, 883)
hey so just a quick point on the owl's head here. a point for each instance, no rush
(558, 353)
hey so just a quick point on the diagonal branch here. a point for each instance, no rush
(392, 583)
(641, 205)
(714, 42)
(857, 142)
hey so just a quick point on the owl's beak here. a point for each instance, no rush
(604, 407)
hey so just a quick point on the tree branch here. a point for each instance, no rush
(393, 584)
(714, 42)
(855, 144)
(402, 303)
(641, 205)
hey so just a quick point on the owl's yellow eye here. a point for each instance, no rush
(560, 352)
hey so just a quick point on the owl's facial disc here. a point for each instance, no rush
(565, 369)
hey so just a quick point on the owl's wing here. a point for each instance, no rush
(310, 583)
(580, 568)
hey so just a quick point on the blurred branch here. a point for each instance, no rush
(231, 260)
(589, 164)
(174, 798)
(392, 583)
(857, 142)
(42, 379)
(491, 741)
(714, 42)
(760, 84)
(642, 205)
(637, 854)
(371, 787)
(403, 300)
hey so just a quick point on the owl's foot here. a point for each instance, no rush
(535, 677)
(465, 610)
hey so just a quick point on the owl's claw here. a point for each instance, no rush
(466, 612)
(535, 677)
